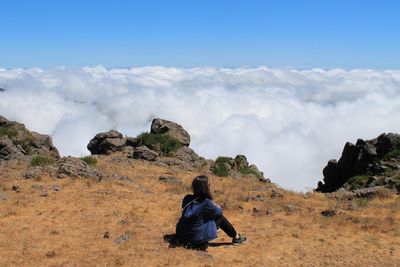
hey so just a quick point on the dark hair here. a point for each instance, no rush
(200, 187)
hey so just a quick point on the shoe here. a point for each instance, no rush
(241, 240)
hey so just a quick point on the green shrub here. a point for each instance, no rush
(40, 160)
(91, 161)
(357, 182)
(247, 170)
(8, 131)
(220, 168)
(163, 142)
(392, 154)
(27, 148)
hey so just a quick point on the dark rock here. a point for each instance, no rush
(2, 90)
(276, 194)
(328, 213)
(16, 188)
(387, 142)
(75, 167)
(160, 126)
(123, 238)
(256, 211)
(106, 143)
(359, 159)
(145, 153)
(106, 235)
(264, 180)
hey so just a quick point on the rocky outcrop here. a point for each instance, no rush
(160, 126)
(18, 142)
(75, 167)
(145, 153)
(106, 143)
(167, 145)
(237, 167)
(369, 158)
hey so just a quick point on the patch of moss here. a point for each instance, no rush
(40, 160)
(392, 154)
(220, 168)
(357, 182)
(165, 143)
(91, 161)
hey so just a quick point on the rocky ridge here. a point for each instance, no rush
(167, 145)
(368, 163)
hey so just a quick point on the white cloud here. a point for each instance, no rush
(289, 122)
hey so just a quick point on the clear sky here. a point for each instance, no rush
(281, 33)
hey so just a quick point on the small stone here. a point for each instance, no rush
(106, 235)
(275, 194)
(54, 232)
(169, 180)
(3, 197)
(44, 193)
(123, 238)
(56, 188)
(123, 222)
(50, 253)
(33, 173)
(38, 187)
(16, 188)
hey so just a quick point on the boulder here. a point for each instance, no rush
(106, 143)
(387, 143)
(18, 142)
(241, 161)
(145, 153)
(363, 158)
(75, 167)
(160, 126)
(8, 149)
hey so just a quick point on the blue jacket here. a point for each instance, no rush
(197, 225)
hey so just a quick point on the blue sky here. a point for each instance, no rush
(302, 34)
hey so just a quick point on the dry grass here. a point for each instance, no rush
(67, 228)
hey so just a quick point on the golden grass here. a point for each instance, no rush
(67, 228)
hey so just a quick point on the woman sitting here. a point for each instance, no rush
(201, 217)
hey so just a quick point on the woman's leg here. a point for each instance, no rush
(225, 225)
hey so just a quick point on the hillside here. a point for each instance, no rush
(68, 227)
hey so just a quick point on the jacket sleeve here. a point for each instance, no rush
(211, 210)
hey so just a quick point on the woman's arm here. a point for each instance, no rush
(211, 209)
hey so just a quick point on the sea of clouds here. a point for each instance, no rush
(289, 122)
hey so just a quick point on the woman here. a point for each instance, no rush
(201, 217)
